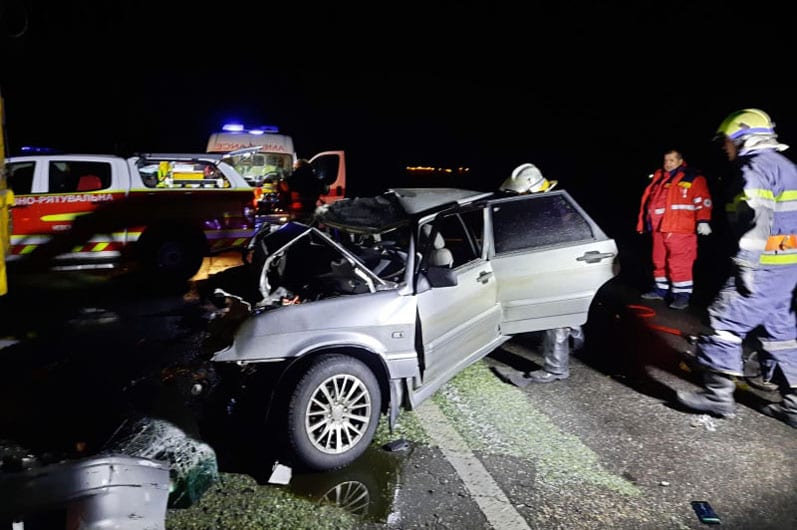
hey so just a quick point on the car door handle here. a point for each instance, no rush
(484, 276)
(593, 256)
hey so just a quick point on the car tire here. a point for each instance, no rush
(332, 413)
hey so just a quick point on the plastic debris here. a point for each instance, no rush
(705, 420)
(280, 474)
(193, 465)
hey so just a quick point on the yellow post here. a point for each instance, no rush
(6, 202)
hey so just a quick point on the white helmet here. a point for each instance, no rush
(526, 178)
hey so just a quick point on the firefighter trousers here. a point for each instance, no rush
(766, 301)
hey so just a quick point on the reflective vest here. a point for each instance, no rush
(770, 191)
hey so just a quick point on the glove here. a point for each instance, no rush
(703, 228)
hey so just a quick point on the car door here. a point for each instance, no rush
(458, 323)
(549, 258)
(330, 167)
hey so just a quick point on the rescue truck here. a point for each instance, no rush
(160, 212)
(265, 157)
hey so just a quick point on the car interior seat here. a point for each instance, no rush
(440, 255)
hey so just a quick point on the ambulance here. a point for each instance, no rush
(265, 158)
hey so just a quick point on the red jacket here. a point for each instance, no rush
(688, 201)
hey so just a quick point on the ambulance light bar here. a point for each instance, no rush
(238, 127)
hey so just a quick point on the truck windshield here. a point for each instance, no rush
(262, 168)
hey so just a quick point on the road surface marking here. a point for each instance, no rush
(488, 495)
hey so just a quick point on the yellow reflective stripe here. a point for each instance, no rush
(27, 249)
(778, 259)
(788, 195)
(62, 216)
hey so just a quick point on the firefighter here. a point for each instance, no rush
(675, 208)
(557, 343)
(763, 221)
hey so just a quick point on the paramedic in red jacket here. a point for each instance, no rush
(675, 208)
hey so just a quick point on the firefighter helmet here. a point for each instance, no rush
(744, 123)
(526, 178)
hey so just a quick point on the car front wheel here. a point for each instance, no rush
(333, 413)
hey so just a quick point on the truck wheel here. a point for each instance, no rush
(177, 258)
(333, 413)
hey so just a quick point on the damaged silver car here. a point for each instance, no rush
(384, 299)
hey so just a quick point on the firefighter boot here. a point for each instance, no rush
(680, 301)
(655, 294)
(556, 354)
(786, 410)
(715, 398)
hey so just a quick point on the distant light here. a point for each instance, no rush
(232, 127)
(436, 170)
(256, 132)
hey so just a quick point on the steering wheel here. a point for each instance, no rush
(396, 258)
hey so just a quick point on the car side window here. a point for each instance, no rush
(463, 235)
(532, 221)
(78, 176)
(20, 177)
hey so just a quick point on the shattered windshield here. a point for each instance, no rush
(298, 264)
(374, 215)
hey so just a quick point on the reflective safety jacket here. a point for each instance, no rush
(688, 202)
(764, 214)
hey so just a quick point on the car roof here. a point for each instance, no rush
(418, 200)
(207, 157)
(393, 208)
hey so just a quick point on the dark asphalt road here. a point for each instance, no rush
(603, 449)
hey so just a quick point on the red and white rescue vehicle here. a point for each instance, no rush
(165, 212)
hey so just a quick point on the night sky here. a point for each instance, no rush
(591, 92)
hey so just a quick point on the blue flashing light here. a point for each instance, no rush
(236, 127)
(31, 149)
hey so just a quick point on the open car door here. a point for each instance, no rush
(549, 259)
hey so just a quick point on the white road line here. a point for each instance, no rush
(491, 499)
